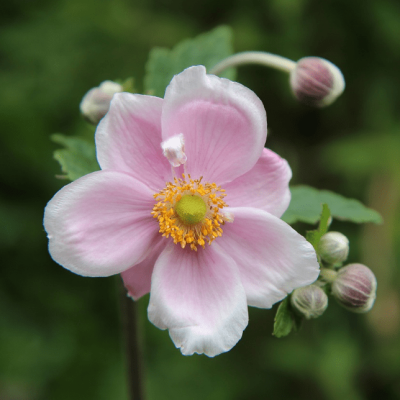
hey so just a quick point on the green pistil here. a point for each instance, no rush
(191, 209)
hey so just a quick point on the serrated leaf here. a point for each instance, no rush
(283, 323)
(207, 49)
(306, 202)
(78, 158)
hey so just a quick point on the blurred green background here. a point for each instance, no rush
(60, 333)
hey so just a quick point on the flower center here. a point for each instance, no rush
(190, 211)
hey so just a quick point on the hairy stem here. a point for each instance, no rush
(254, 57)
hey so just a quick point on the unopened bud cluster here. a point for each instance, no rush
(353, 286)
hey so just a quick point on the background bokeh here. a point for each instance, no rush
(60, 333)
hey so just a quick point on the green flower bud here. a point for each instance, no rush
(333, 247)
(309, 301)
(355, 288)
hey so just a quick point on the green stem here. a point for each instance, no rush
(132, 345)
(255, 57)
(328, 275)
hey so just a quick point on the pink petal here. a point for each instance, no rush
(224, 124)
(101, 224)
(137, 279)
(266, 186)
(198, 296)
(273, 259)
(128, 139)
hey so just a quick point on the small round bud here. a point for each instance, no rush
(333, 247)
(96, 101)
(316, 81)
(355, 288)
(309, 301)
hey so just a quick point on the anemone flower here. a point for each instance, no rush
(187, 206)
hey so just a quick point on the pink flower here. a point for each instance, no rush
(202, 261)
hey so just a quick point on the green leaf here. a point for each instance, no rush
(324, 220)
(283, 323)
(306, 206)
(207, 49)
(78, 158)
(315, 236)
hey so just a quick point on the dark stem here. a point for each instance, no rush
(132, 346)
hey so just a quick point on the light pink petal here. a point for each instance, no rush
(198, 296)
(223, 123)
(128, 139)
(266, 186)
(101, 225)
(273, 259)
(137, 280)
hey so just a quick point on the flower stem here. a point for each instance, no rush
(255, 57)
(328, 275)
(132, 345)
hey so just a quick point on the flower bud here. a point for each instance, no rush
(355, 288)
(96, 101)
(309, 301)
(316, 81)
(333, 247)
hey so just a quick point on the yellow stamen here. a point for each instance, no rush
(190, 211)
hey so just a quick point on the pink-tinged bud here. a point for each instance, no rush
(333, 247)
(309, 301)
(316, 81)
(355, 288)
(96, 101)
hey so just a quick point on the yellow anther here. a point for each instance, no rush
(203, 227)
